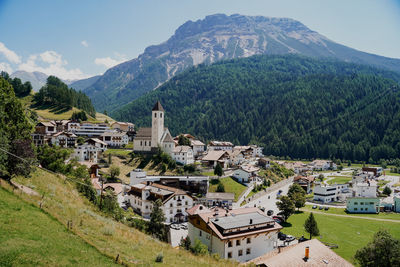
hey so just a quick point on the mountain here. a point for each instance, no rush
(81, 85)
(291, 105)
(218, 37)
(37, 79)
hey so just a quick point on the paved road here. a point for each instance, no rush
(236, 205)
(353, 216)
(269, 200)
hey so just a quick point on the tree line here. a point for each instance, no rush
(293, 106)
(56, 93)
(20, 89)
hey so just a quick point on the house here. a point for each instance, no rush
(245, 173)
(90, 150)
(331, 193)
(323, 165)
(311, 253)
(149, 139)
(365, 189)
(396, 201)
(62, 125)
(63, 139)
(264, 163)
(118, 190)
(257, 151)
(378, 171)
(236, 157)
(175, 202)
(219, 145)
(363, 205)
(123, 126)
(89, 129)
(240, 234)
(247, 151)
(305, 182)
(298, 166)
(193, 184)
(183, 155)
(362, 177)
(198, 147)
(46, 128)
(115, 139)
(216, 156)
(219, 199)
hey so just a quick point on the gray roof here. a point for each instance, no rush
(158, 107)
(144, 132)
(217, 195)
(241, 220)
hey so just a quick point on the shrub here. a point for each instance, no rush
(199, 248)
(160, 257)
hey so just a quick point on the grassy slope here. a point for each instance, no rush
(230, 186)
(340, 180)
(64, 203)
(349, 233)
(29, 236)
(53, 114)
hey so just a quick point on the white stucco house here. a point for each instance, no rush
(175, 202)
(245, 173)
(363, 204)
(330, 193)
(90, 150)
(240, 234)
(183, 155)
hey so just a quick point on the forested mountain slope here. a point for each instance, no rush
(291, 105)
(214, 38)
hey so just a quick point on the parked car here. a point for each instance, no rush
(320, 207)
(314, 207)
(277, 219)
(281, 236)
(184, 226)
(175, 226)
(302, 239)
(270, 212)
(326, 208)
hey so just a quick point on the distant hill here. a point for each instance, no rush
(81, 85)
(291, 105)
(37, 79)
(218, 37)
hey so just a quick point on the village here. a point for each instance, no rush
(228, 200)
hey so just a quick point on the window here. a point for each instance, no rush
(145, 143)
(186, 202)
(248, 240)
(200, 233)
(361, 203)
(160, 115)
(198, 221)
(149, 143)
(366, 209)
(361, 209)
(240, 252)
(355, 208)
(371, 203)
(171, 205)
(229, 244)
(171, 211)
(141, 143)
(229, 255)
(155, 115)
(238, 242)
(248, 251)
(355, 203)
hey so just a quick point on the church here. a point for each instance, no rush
(148, 139)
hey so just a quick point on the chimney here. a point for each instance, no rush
(251, 221)
(307, 252)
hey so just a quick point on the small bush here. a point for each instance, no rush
(108, 230)
(160, 257)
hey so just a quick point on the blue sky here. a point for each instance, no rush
(76, 39)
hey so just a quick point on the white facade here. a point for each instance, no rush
(326, 194)
(183, 155)
(257, 151)
(367, 189)
(142, 144)
(323, 165)
(89, 129)
(157, 126)
(363, 205)
(396, 201)
(87, 152)
(198, 147)
(220, 145)
(236, 158)
(242, 175)
(115, 139)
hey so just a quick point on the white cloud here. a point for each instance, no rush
(5, 67)
(107, 61)
(84, 43)
(9, 54)
(51, 63)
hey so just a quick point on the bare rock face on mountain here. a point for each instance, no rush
(217, 37)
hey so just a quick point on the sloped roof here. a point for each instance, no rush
(196, 143)
(167, 136)
(220, 195)
(158, 107)
(182, 149)
(214, 155)
(144, 132)
(320, 255)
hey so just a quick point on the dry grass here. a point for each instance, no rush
(64, 203)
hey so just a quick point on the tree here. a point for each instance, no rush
(299, 200)
(383, 250)
(220, 187)
(218, 170)
(114, 171)
(199, 248)
(295, 189)
(310, 225)
(387, 191)
(321, 177)
(157, 218)
(185, 243)
(183, 140)
(286, 206)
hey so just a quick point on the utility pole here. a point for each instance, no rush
(101, 194)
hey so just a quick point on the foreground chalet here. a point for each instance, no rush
(175, 202)
(241, 234)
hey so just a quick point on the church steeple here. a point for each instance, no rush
(157, 126)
